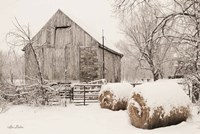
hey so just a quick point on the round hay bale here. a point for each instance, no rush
(114, 96)
(158, 104)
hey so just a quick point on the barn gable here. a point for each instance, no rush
(66, 52)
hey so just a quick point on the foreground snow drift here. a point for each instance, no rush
(157, 104)
(89, 119)
(115, 96)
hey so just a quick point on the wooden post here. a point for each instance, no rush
(72, 94)
(65, 97)
(103, 54)
(190, 95)
(84, 95)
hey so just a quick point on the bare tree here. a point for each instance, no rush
(143, 29)
(181, 25)
(124, 7)
(1, 66)
(131, 70)
(38, 92)
(188, 39)
(12, 66)
(21, 36)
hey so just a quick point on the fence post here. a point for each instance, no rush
(84, 95)
(72, 94)
(65, 97)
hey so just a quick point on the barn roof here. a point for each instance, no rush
(85, 28)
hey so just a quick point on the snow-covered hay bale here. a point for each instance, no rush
(115, 96)
(158, 104)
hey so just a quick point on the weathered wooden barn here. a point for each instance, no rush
(66, 52)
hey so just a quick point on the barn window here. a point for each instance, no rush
(62, 36)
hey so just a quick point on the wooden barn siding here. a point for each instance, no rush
(31, 71)
(48, 63)
(112, 66)
(117, 63)
(49, 57)
(83, 39)
(79, 38)
(55, 48)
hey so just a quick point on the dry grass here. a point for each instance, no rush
(107, 100)
(158, 118)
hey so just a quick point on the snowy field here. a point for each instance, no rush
(90, 119)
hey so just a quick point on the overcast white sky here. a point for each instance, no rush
(92, 15)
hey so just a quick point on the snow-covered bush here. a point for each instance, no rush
(33, 94)
(3, 103)
(157, 104)
(114, 96)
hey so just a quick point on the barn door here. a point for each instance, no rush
(89, 66)
(63, 40)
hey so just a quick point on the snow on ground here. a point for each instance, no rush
(90, 119)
